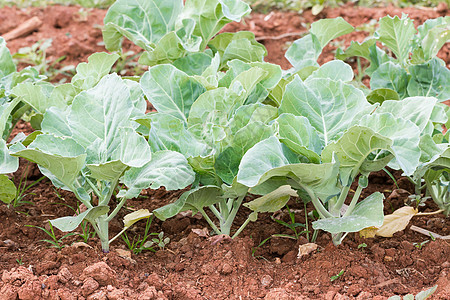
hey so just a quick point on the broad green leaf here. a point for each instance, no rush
(63, 157)
(415, 109)
(97, 119)
(367, 213)
(330, 106)
(169, 133)
(227, 162)
(431, 79)
(240, 45)
(252, 113)
(38, 96)
(392, 76)
(194, 63)
(397, 34)
(166, 168)
(135, 216)
(218, 105)
(170, 90)
(353, 149)
(304, 52)
(377, 58)
(89, 74)
(263, 86)
(434, 40)
(7, 65)
(56, 122)
(167, 50)
(297, 133)
(71, 223)
(269, 158)
(198, 197)
(8, 164)
(405, 136)
(356, 49)
(334, 70)
(211, 15)
(427, 293)
(272, 201)
(382, 94)
(328, 29)
(8, 190)
(109, 171)
(144, 22)
(234, 190)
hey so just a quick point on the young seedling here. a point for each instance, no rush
(362, 246)
(337, 276)
(54, 242)
(292, 225)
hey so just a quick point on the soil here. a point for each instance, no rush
(195, 265)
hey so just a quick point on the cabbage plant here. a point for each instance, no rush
(90, 146)
(212, 120)
(11, 110)
(172, 32)
(415, 70)
(329, 136)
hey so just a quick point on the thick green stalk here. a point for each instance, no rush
(226, 228)
(323, 212)
(210, 222)
(354, 201)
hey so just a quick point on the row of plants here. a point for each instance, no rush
(227, 124)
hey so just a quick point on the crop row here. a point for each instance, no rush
(228, 124)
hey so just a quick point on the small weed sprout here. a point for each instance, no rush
(362, 246)
(337, 276)
(54, 242)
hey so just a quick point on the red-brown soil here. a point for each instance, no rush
(196, 267)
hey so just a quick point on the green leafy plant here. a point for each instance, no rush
(19, 261)
(54, 241)
(292, 225)
(420, 296)
(139, 244)
(415, 70)
(91, 160)
(337, 276)
(179, 33)
(212, 128)
(11, 110)
(22, 189)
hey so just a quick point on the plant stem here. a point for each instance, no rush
(210, 222)
(306, 222)
(116, 210)
(94, 188)
(323, 212)
(217, 213)
(430, 213)
(108, 196)
(241, 228)
(226, 229)
(104, 237)
(354, 200)
(342, 198)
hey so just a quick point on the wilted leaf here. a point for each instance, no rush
(135, 216)
(396, 221)
(368, 232)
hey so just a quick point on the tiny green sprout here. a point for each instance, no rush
(19, 261)
(421, 244)
(338, 275)
(432, 237)
(362, 245)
